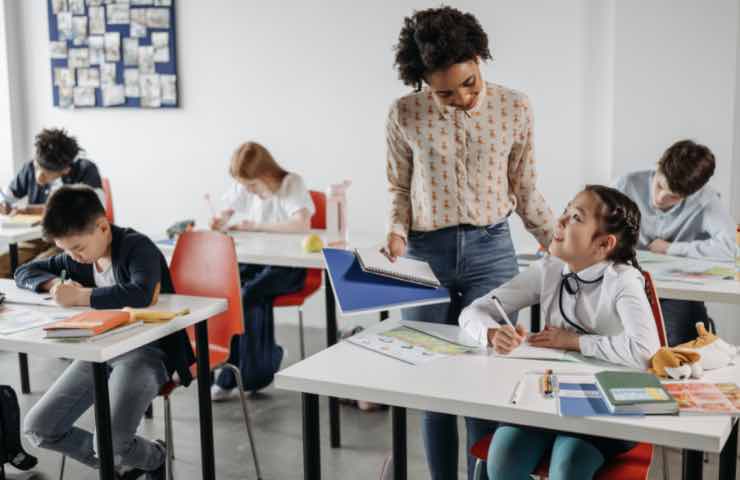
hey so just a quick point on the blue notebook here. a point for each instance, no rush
(359, 292)
(581, 400)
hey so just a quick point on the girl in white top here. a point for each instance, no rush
(593, 301)
(264, 197)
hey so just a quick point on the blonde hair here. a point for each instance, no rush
(252, 161)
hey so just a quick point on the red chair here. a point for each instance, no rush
(108, 194)
(631, 465)
(204, 264)
(313, 276)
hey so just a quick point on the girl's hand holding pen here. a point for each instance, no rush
(506, 338)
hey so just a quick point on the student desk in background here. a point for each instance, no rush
(285, 250)
(480, 386)
(704, 290)
(100, 351)
(13, 236)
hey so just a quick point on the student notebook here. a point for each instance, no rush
(407, 269)
(87, 324)
(700, 398)
(359, 292)
(635, 392)
(579, 396)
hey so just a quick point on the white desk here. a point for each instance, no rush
(286, 250)
(100, 351)
(13, 236)
(480, 386)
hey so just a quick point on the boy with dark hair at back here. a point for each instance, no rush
(108, 267)
(58, 160)
(682, 215)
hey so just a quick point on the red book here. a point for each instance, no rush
(87, 324)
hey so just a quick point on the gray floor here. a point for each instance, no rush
(276, 415)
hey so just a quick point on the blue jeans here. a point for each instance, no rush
(516, 451)
(680, 317)
(134, 380)
(470, 261)
(255, 352)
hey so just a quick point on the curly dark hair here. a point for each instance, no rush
(619, 216)
(435, 39)
(55, 149)
(687, 167)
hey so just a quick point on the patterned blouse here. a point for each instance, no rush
(449, 167)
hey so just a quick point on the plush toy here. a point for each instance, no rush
(691, 359)
(675, 363)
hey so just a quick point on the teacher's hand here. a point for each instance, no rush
(396, 247)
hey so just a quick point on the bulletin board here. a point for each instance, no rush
(113, 53)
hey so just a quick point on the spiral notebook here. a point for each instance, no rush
(415, 271)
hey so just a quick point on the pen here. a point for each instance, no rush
(500, 309)
(63, 276)
(517, 395)
(207, 196)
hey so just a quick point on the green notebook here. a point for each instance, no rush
(635, 392)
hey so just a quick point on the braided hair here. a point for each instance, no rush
(619, 216)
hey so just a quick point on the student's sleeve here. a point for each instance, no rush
(718, 228)
(638, 342)
(399, 168)
(32, 275)
(519, 292)
(145, 274)
(19, 186)
(233, 198)
(522, 174)
(297, 197)
(620, 183)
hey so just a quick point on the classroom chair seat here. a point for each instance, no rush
(631, 465)
(312, 283)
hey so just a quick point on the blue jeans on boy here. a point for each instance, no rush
(134, 380)
(469, 261)
(256, 353)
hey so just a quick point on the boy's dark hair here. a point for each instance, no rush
(435, 39)
(71, 210)
(619, 216)
(55, 149)
(687, 166)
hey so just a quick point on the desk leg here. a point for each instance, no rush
(311, 437)
(534, 320)
(692, 465)
(102, 421)
(331, 339)
(728, 457)
(208, 463)
(399, 443)
(22, 357)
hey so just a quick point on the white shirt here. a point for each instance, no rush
(291, 197)
(614, 312)
(104, 278)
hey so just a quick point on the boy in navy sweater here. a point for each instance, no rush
(58, 160)
(108, 267)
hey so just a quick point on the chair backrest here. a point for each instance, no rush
(652, 296)
(318, 220)
(204, 264)
(108, 194)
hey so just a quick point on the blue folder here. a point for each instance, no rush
(591, 404)
(359, 292)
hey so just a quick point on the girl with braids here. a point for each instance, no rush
(593, 301)
(460, 162)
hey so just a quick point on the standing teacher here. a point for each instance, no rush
(460, 161)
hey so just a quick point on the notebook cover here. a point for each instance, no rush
(94, 321)
(633, 388)
(359, 292)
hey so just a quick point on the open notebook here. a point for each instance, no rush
(406, 269)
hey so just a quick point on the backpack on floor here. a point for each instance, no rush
(10, 432)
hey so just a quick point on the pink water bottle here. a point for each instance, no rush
(337, 230)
